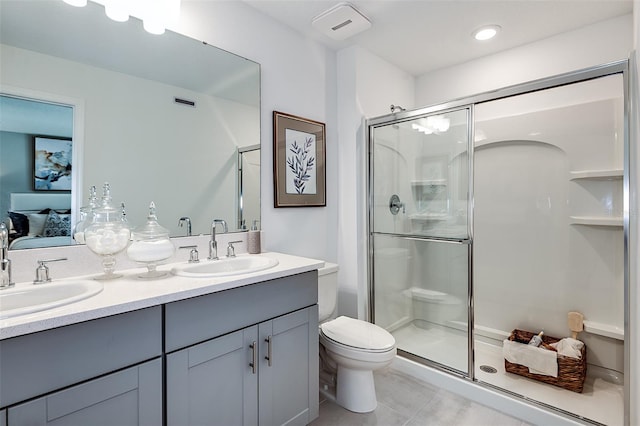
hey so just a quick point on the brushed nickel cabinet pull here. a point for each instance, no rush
(268, 357)
(254, 357)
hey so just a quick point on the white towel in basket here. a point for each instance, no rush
(539, 360)
(569, 347)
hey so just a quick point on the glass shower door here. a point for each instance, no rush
(419, 234)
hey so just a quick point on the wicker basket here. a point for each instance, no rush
(571, 371)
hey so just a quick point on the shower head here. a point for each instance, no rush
(396, 108)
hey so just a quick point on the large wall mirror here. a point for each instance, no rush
(160, 117)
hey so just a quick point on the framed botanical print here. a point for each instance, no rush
(299, 155)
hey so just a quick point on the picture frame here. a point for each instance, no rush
(299, 156)
(52, 163)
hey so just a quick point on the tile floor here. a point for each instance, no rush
(405, 401)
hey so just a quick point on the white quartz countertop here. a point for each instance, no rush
(130, 293)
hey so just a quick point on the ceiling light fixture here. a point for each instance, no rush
(487, 32)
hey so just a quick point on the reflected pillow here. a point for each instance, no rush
(20, 223)
(36, 224)
(57, 225)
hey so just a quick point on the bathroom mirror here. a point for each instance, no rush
(160, 117)
(248, 186)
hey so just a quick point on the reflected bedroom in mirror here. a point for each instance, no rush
(86, 100)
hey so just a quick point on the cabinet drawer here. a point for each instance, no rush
(129, 397)
(202, 318)
(38, 363)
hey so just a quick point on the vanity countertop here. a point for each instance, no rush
(130, 293)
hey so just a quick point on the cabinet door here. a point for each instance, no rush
(288, 390)
(3, 417)
(128, 397)
(212, 383)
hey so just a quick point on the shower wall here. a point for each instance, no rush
(548, 236)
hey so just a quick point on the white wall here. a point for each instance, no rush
(298, 77)
(367, 86)
(597, 44)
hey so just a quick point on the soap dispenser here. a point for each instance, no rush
(151, 245)
(253, 239)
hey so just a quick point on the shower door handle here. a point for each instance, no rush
(395, 204)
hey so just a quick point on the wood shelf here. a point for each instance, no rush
(609, 174)
(596, 221)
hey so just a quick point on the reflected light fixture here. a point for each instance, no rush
(116, 10)
(76, 3)
(434, 124)
(487, 32)
(156, 15)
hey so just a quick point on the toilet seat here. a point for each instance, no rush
(358, 335)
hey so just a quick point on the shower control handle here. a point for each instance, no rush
(395, 204)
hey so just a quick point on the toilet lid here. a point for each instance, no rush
(358, 334)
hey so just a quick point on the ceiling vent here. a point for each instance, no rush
(341, 22)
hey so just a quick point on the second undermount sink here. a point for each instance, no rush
(225, 267)
(28, 299)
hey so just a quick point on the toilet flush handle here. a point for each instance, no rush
(395, 204)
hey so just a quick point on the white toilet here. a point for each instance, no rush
(350, 350)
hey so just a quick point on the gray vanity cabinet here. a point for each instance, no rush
(261, 375)
(264, 372)
(243, 356)
(127, 398)
(105, 371)
(211, 383)
(288, 368)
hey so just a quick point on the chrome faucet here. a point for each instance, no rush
(5, 262)
(186, 219)
(231, 250)
(42, 271)
(213, 245)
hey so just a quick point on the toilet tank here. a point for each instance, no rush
(327, 290)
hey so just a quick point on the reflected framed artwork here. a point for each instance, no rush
(52, 164)
(299, 155)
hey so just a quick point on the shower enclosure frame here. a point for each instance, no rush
(622, 68)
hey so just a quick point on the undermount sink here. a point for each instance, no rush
(28, 299)
(225, 267)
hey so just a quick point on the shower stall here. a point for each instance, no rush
(503, 212)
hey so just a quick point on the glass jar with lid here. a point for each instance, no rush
(86, 216)
(151, 245)
(108, 234)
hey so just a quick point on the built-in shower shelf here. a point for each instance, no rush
(596, 220)
(609, 174)
(604, 330)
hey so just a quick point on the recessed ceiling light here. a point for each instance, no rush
(487, 32)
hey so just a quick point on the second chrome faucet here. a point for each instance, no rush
(213, 245)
